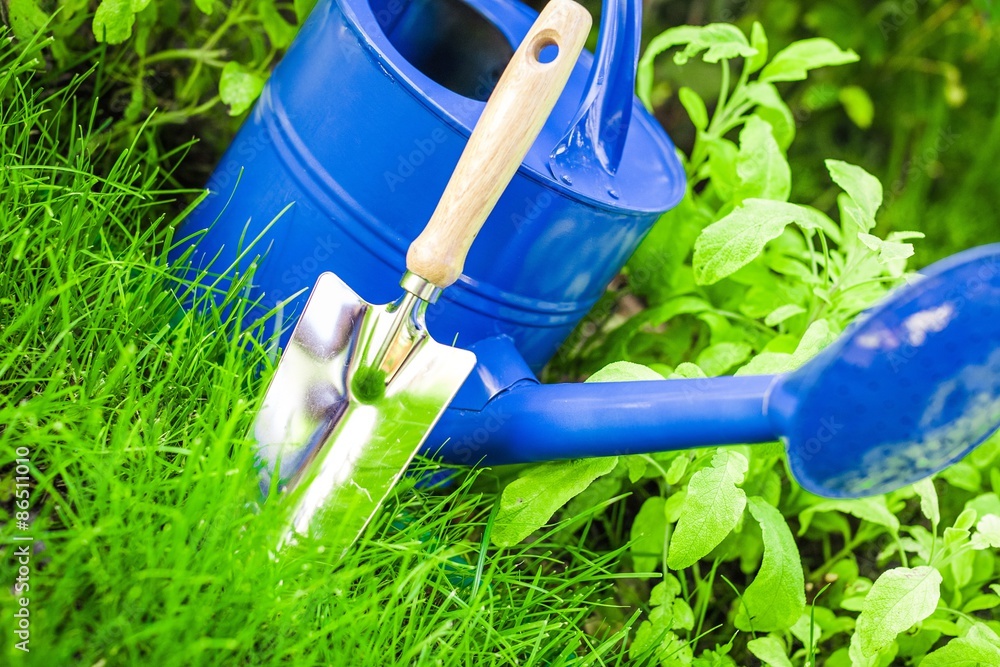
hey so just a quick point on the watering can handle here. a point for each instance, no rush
(510, 123)
(592, 147)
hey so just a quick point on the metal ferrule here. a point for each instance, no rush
(420, 287)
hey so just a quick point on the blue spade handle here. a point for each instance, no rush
(592, 148)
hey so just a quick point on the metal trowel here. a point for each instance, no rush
(360, 385)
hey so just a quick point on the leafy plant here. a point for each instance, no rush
(738, 279)
(133, 420)
(225, 56)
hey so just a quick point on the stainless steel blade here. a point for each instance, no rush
(337, 457)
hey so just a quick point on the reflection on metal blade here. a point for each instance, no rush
(336, 457)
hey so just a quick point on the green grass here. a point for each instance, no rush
(151, 547)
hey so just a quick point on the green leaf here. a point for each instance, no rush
(26, 18)
(873, 510)
(817, 336)
(858, 106)
(114, 19)
(758, 40)
(955, 536)
(761, 300)
(978, 648)
(530, 501)
(987, 535)
(666, 591)
(770, 651)
(864, 192)
(683, 615)
(898, 600)
(719, 358)
(677, 469)
(816, 220)
(722, 155)
(649, 530)
(711, 509)
(779, 315)
(772, 109)
(624, 371)
(981, 602)
(929, 501)
(807, 628)
(302, 9)
(687, 371)
(205, 5)
(888, 251)
(858, 658)
(737, 239)
(636, 466)
(279, 31)
(668, 613)
(670, 650)
(767, 363)
(656, 265)
(966, 519)
(760, 164)
(239, 87)
(718, 40)
(695, 107)
(794, 61)
(963, 475)
(776, 598)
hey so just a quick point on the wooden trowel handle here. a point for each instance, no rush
(513, 117)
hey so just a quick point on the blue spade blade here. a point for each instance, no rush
(911, 387)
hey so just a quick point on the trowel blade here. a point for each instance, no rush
(334, 456)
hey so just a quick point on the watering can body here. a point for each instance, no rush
(344, 158)
(345, 155)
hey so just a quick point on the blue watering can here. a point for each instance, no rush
(349, 148)
(358, 130)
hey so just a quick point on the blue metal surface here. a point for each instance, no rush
(911, 387)
(345, 155)
(544, 422)
(596, 137)
(499, 366)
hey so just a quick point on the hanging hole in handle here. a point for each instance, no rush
(545, 49)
